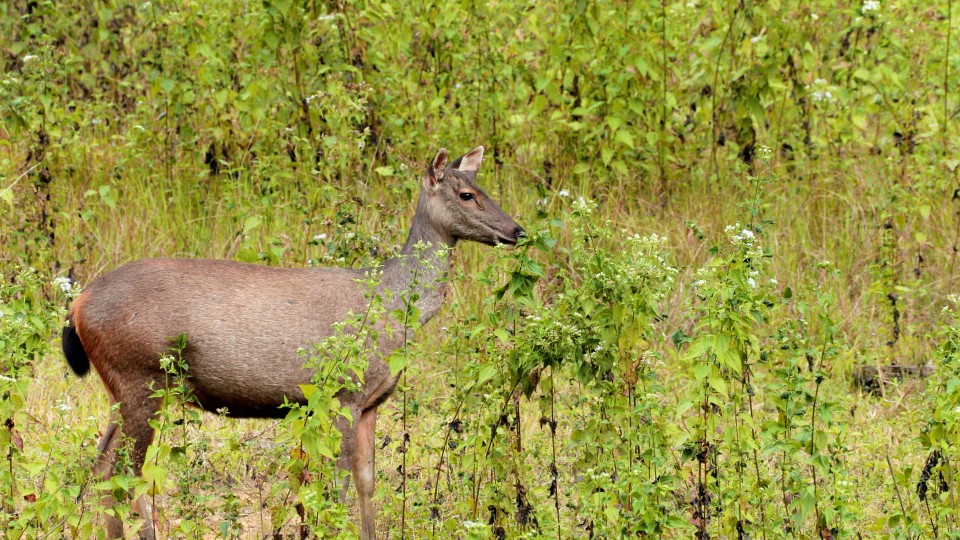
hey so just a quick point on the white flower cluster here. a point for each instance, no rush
(64, 283)
(474, 525)
(764, 153)
(583, 206)
(650, 358)
(739, 235)
(820, 91)
(597, 476)
(646, 267)
(703, 275)
(562, 336)
(870, 6)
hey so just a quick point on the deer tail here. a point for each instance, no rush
(73, 349)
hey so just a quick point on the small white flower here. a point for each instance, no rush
(7, 379)
(63, 407)
(29, 58)
(747, 233)
(814, 16)
(764, 152)
(349, 235)
(752, 282)
(64, 283)
(823, 95)
(699, 283)
(329, 17)
(755, 39)
(870, 6)
(773, 281)
(320, 237)
(360, 145)
(563, 193)
(582, 205)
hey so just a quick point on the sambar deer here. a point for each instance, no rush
(245, 323)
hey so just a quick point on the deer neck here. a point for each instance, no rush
(420, 267)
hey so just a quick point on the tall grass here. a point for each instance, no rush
(293, 133)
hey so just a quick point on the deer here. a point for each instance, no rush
(245, 325)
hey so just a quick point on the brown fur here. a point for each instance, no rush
(245, 324)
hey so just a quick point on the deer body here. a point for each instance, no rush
(245, 325)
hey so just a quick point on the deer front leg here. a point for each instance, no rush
(364, 471)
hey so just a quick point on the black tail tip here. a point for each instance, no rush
(73, 351)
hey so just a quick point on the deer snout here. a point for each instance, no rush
(514, 236)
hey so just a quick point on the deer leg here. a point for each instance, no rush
(107, 456)
(347, 443)
(364, 471)
(135, 413)
(136, 425)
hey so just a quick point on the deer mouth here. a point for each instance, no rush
(511, 240)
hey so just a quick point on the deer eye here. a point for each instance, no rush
(466, 196)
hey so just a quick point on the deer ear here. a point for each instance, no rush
(435, 173)
(470, 162)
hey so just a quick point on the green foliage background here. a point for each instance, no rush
(293, 133)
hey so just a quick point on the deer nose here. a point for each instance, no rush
(518, 232)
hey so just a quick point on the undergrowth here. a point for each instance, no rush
(734, 211)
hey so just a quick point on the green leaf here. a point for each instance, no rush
(625, 138)
(820, 441)
(718, 384)
(308, 390)
(251, 223)
(487, 372)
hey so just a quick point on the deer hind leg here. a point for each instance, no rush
(106, 458)
(364, 471)
(135, 413)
